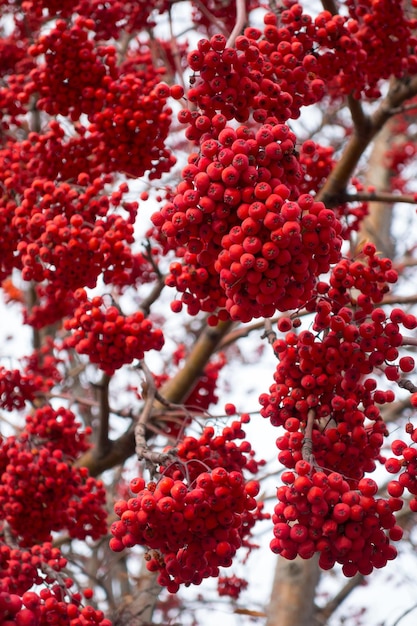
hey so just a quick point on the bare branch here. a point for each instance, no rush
(405, 383)
(322, 615)
(335, 185)
(241, 19)
(307, 447)
(379, 196)
(330, 5)
(359, 119)
(103, 443)
(142, 450)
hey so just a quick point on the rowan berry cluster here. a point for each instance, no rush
(15, 389)
(55, 603)
(199, 513)
(231, 586)
(22, 567)
(251, 244)
(318, 512)
(329, 406)
(404, 463)
(109, 338)
(326, 376)
(37, 467)
(79, 76)
(367, 27)
(42, 367)
(68, 237)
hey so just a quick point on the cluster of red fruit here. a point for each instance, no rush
(330, 410)
(38, 466)
(110, 338)
(200, 512)
(54, 604)
(15, 389)
(251, 244)
(405, 465)
(319, 512)
(231, 586)
(367, 27)
(79, 76)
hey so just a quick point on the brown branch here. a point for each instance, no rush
(323, 614)
(173, 391)
(143, 452)
(379, 196)
(330, 5)
(307, 447)
(241, 19)
(409, 341)
(359, 119)
(393, 299)
(405, 383)
(103, 443)
(269, 334)
(335, 185)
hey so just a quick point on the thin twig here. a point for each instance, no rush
(142, 450)
(241, 18)
(307, 447)
(269, 334)
(103, 443)
(404, 614)
(325, 613)
(379, 196)
(405, 383)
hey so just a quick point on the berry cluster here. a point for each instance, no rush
(367, 27)
(320, 513)
(37, 467)
(264, 75)
(231, 586)
(54, 604)
(330, 410)
(250, 243)
(67, 237)
(199, 513)
(108, 337)
(42, 367)
(15, 389)
(79, 76)
(405, 465)
(324, 376)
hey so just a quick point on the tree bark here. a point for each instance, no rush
(293, 593)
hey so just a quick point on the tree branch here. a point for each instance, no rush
(103, 443)
(335, 185)
(241, 18)
(379, 196)
(323, 614)
(173, 391)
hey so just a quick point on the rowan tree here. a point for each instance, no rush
(165, 196)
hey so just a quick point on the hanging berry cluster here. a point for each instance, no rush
(55, 602)
(251, 243)
(318, 512)
(329, 406)
(199, 513)
(37, 466)
(109, 338)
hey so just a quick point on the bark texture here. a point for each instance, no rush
(293, 592)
